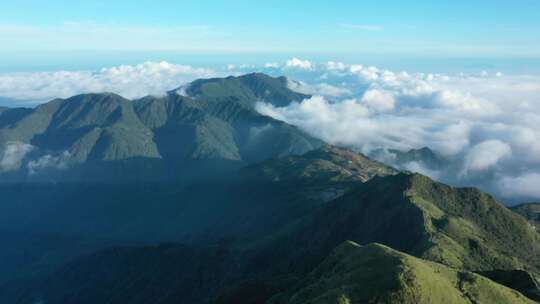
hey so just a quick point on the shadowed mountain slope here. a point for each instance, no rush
(519, 280)
(460, 227)
(238, 207)
(463, 229)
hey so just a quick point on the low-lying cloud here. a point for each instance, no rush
(18, 155)
(131, 81)
(525, 185)
(13, 154)
(486, 155)
(49, 161)
(484, 126)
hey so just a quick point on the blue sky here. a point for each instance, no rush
(63, 34)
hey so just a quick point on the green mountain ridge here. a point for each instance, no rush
(378, 274)
(219, 123)
(459, 227)
(251, 87)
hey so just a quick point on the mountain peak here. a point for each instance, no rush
(93, 97)
(253, 87)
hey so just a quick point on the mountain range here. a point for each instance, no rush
(195, 197)
(156, 138)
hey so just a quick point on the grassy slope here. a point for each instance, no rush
(468, 228)
(378, 274)
(462, 228)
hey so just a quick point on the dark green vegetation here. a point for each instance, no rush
(463, 229)
(519, 280)
(531, 212)
(207, 201)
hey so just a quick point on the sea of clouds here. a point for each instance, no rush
(486, 126)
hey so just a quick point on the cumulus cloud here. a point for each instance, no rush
(342, 122)
(131, 81)
(523, 186)
(323, 89)
(485, 124)
(299, 64)
(485, 155)
(13, 154)
(379, 100)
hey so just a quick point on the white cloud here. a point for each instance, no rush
(335, 66)
(323, 89)
(523, 186)
(48, 161)
(485, 124)
(379, 100)
(419, 167)
(131, 81)
(13, 154)
(299, 64)
(271, 65)
(485, 155)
